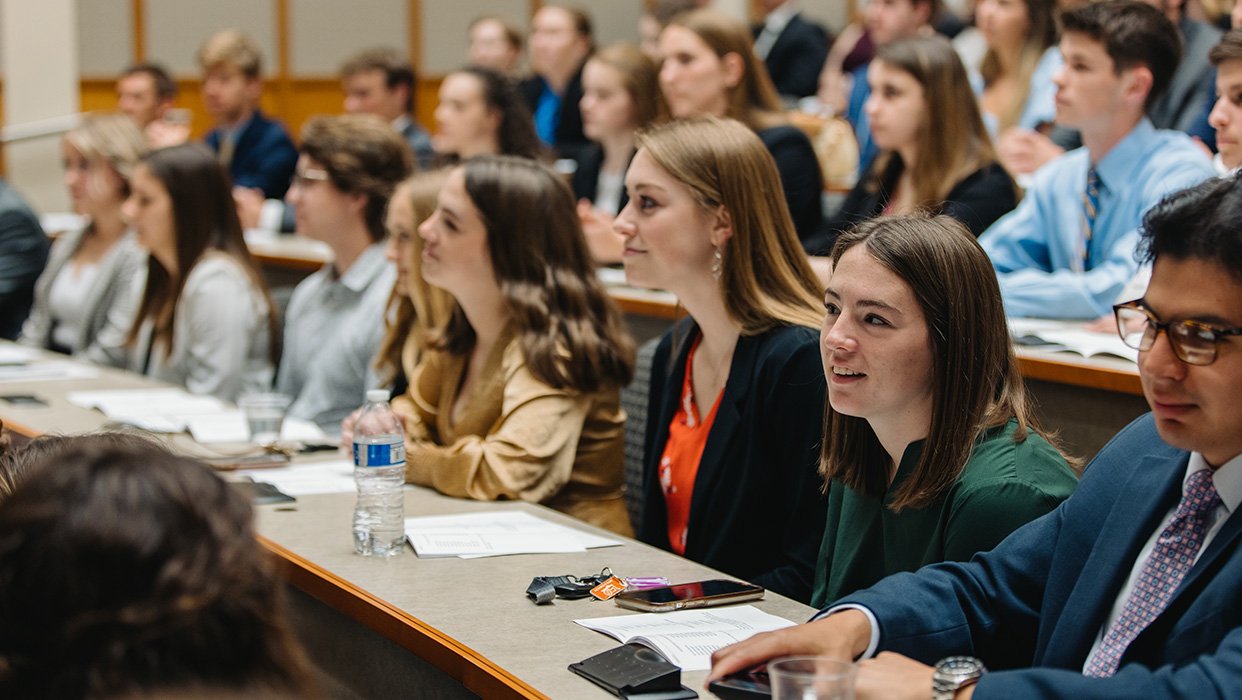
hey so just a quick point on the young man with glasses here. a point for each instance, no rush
(1130, 588)
(347, 170)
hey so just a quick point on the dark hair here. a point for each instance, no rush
(976, 384)
(204, 220)
(1228, 49)
(16, 461)
(397, 71)
(362, 155)
(516, 133)
(580, 18)
(1198, 222)
(1133, 34)
(640, 78)
(571, 332)
(129, 570)
(165, 86)
(665, 10)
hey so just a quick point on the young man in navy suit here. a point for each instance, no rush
(1130, 589)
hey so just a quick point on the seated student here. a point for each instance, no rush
(494, 44)
(1226, 114)
(174, 598)
(519, 395)
(257, 151)
(929, 442)
(416, 310)
(934, 151)
(1068, 248)
(335, 319)
(620, 96)
(737, 390)
(561, 38)
(145, 93)
(90, 270)
(204, 319)
(380, 82)
(23, 255)
(1020, 57)
(1130, 587)
(885, 21)
(481, 113)
(791, 47)
(710, 69)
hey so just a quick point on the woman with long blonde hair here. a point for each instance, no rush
(736, 389)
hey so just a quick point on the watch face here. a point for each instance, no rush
(952, 672)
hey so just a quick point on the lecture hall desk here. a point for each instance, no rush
(410, 627)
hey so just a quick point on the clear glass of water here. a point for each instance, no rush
(811, 678)
(265, 415)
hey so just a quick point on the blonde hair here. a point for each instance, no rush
(413, 317)
(231, 48)
(640, 77)
(112, 138)
(765, 278)
(754, 100)
(1041, 35)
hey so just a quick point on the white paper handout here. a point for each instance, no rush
(471, 535)
(306, 479)
(159, 410)
(1062, 336)
(230, 426)
(687, 638)
(44, 370)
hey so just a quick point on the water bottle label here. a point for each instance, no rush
(379, 455)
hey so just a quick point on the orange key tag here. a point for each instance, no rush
(609, 588)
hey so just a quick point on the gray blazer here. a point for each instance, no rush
(117, 270)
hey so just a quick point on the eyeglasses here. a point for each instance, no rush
(1193, 342)
(302, 178)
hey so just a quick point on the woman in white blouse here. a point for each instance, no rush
(204, 318)
(90, 269)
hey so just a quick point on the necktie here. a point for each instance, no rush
(1170, 559)
(226, 150)
(1090, 210)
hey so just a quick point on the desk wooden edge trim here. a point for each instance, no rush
(1077, 374)
(23, 430)
(460, 662)
(644, 307)
(287, 262)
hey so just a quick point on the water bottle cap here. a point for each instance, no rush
(377, 395)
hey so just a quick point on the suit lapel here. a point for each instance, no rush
(1154, 486)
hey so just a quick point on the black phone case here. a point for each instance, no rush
(634, 671)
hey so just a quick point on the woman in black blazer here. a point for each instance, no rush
(935, 152)
(620, 96)
(737, 389)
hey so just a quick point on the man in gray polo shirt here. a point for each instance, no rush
(346, 171)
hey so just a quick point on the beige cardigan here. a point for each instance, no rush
(517, 437)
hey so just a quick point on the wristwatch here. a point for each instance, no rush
(953, 674)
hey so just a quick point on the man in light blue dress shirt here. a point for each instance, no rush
(1051, 261)
(347, 170)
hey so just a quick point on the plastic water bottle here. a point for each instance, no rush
(379, 472)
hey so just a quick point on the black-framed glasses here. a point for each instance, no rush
(1194, 342)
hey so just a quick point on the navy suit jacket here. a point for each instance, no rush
(263, 157)
(1035, 604)
(23, 254)
(797, 56)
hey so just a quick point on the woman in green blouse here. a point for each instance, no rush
(930, 447)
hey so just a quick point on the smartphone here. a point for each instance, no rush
(682, 596)
(25, 400)
(744, 685)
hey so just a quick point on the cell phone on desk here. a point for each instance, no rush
(23, 400)
(743, 685)
(683, 596)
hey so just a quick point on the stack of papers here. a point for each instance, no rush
(687, 638)
(473, 535)
(333, 476)
(156, 410)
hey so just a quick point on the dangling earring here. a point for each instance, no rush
(717, 263)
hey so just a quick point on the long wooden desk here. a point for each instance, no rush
(408, 626)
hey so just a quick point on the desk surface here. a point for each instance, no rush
(468, 618)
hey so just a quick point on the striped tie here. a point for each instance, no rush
(1174, 554)
(1090, 210)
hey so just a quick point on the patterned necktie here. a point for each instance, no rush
(1163, 571)
(1090, 210)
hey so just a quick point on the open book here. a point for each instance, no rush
(1071, 336)
(687, 638)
